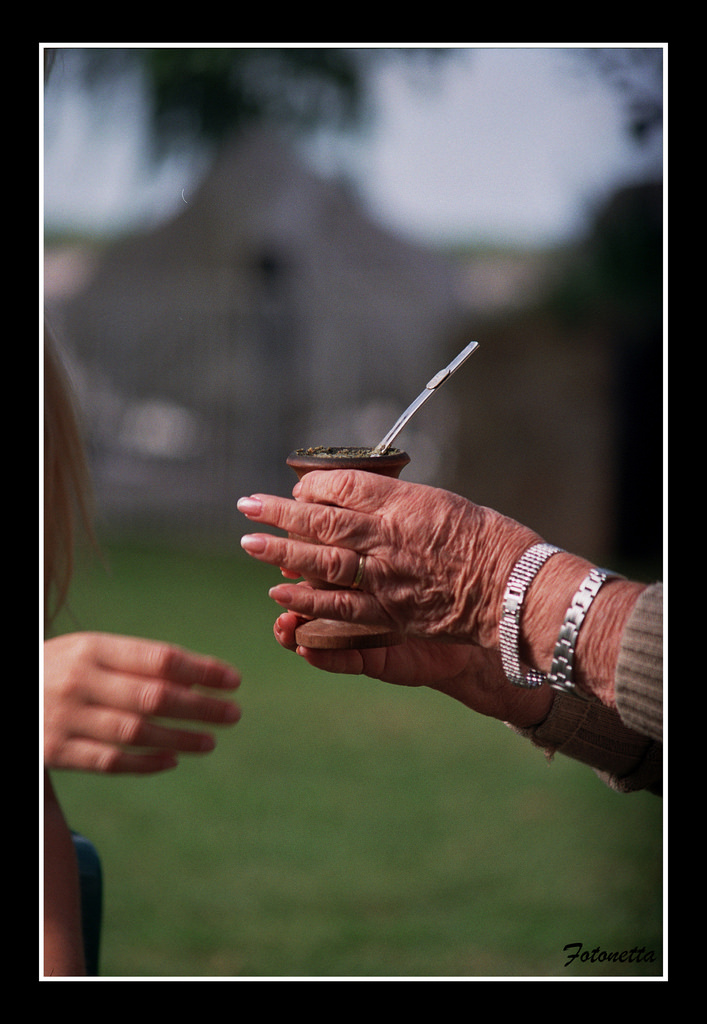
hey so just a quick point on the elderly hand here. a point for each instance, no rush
(436, 564)
(469, 674)
(103, 695)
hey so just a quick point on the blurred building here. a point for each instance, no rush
(271, 313)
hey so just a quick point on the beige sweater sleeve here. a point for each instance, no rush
(624, 747)
(639, 671)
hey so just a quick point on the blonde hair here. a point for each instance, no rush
(66, 479)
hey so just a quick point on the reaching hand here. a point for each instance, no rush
(104, 694)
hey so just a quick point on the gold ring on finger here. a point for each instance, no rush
(356, 585)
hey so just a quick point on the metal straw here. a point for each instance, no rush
(432, 385)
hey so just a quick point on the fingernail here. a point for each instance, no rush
(280, 593)
(231, 679)
(296, 489)
(250, 506)
(253, 543)
(231, 713)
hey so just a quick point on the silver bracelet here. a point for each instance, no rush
(561, 672)
(520, 579)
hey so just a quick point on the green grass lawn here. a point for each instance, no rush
(345, 828)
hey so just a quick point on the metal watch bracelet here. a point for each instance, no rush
(521, 577)
(561, 673)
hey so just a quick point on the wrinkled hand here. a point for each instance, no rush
(104, 694)
(436, 563)
(472, 675)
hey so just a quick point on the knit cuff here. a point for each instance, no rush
(639, 670)
(594, 735)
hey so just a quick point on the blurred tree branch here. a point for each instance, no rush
(637, 74)
(201, 96)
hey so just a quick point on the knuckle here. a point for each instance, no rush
(152, 698)
(130, 730)
(323, 524)
(341, 602)
(347, 485)
(333, 562)
(162, 658)
(108, 761)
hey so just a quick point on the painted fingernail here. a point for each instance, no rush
(253, 543)
(250, 506)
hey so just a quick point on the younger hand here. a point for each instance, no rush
(104, 694)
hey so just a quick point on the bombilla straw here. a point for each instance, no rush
(432, 385)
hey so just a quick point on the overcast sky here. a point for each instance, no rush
(506, 143)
